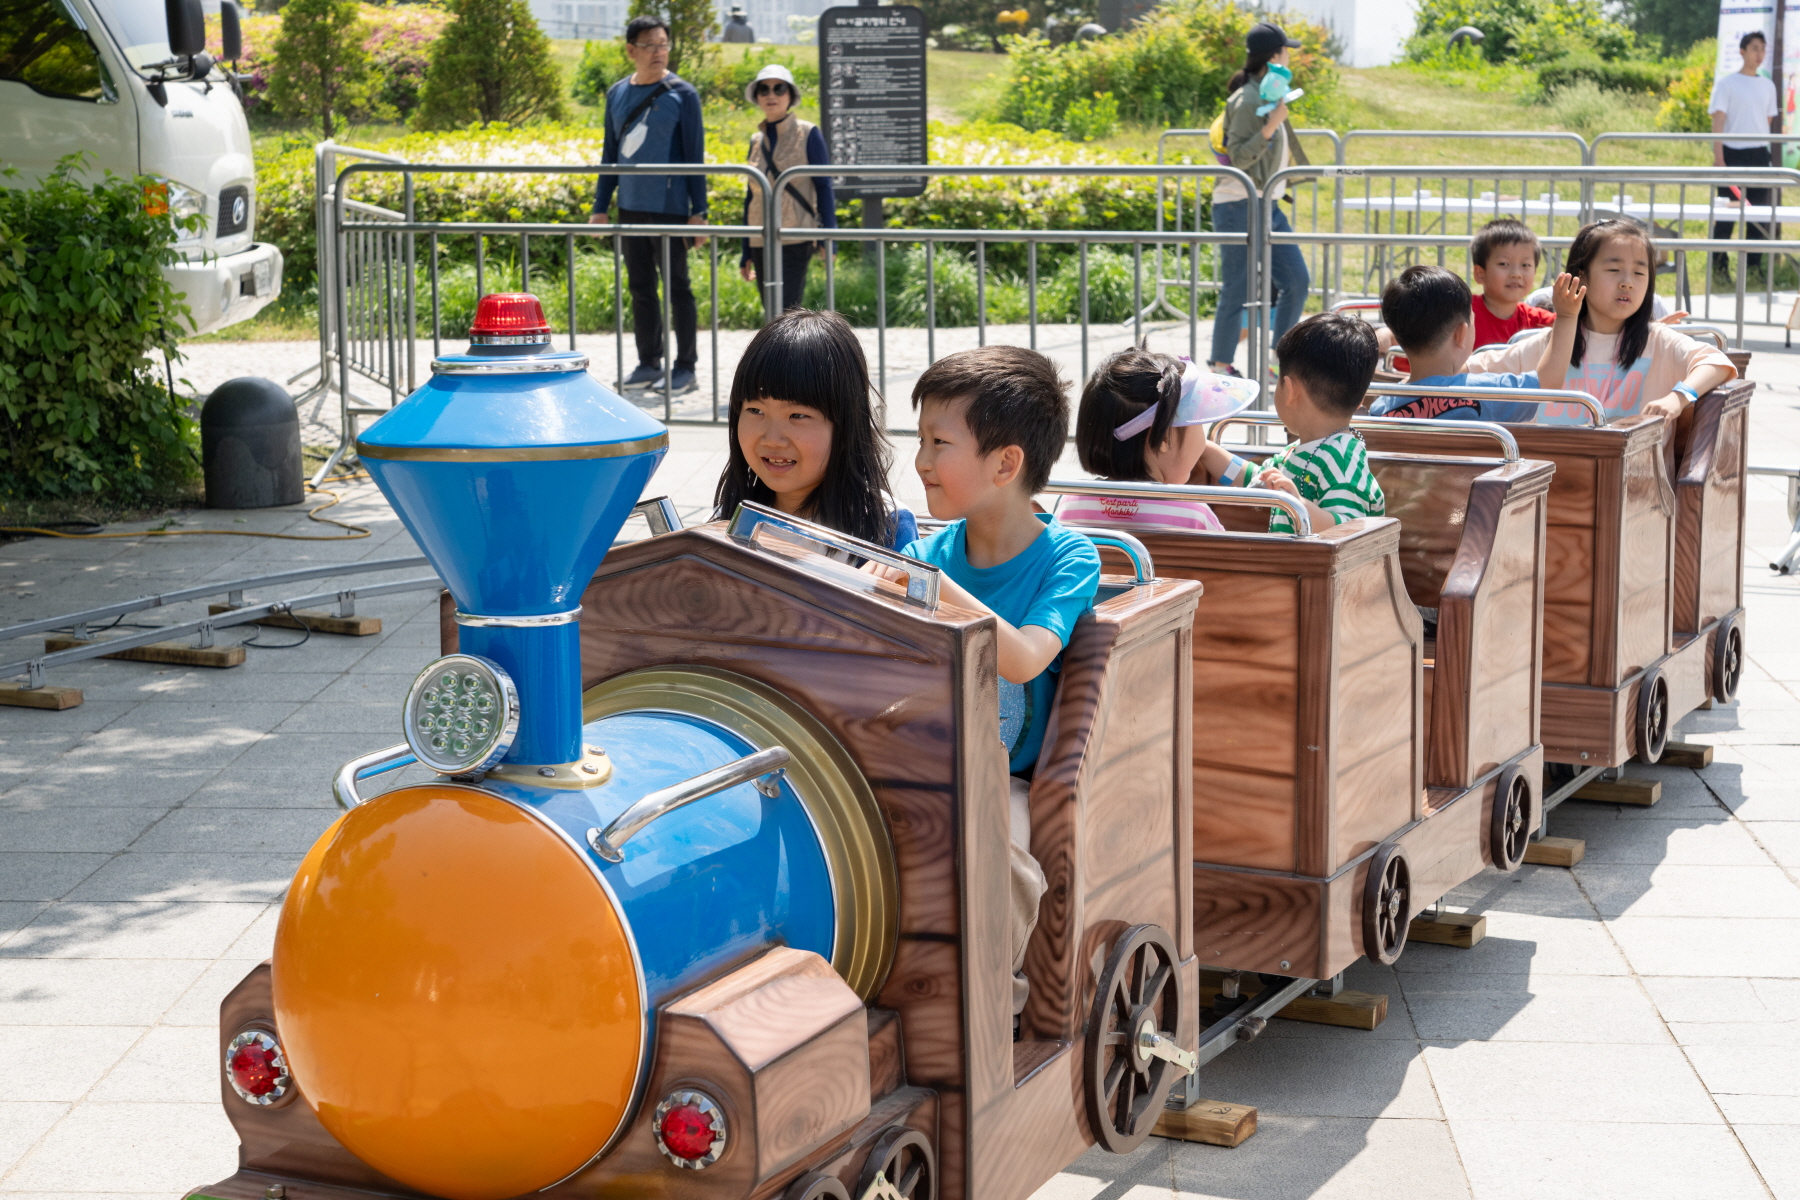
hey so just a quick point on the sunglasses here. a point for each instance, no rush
(653, 47)
(772, 89)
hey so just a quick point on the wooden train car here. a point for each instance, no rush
(1349, 770)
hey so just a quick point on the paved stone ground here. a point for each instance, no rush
(1630, 1028)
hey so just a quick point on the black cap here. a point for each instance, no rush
(1266, 40)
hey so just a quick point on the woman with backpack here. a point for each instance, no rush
(1257, 140)
(781, 141)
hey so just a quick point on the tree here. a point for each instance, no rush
(321, 68)
(1678, 24)
(693, 24)
(492, 64)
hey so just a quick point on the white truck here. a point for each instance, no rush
(130, 83)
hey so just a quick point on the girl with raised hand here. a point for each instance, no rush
(804, 437)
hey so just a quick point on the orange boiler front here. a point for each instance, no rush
(458, 996)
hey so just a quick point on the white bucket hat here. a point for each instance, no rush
(772, 71)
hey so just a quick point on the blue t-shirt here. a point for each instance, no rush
(906, 528)
(1048, 584)
(1461, 408)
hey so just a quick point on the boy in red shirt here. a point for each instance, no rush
(1505, 257)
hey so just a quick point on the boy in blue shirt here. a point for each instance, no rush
(1427, 310)
(992, 422)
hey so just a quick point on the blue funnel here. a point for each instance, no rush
(514, 473)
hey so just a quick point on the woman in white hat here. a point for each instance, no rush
(781, 141)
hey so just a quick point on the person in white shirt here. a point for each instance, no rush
(1743, 102)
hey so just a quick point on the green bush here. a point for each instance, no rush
(603, 63)
(1520, 31)
(1170, 69)
(83, 303)
(491, 64)
(322, 67)
(1690, 95)
(1625, 75)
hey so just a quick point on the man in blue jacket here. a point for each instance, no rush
(653, 116)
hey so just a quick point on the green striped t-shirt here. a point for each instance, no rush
(1332, 472)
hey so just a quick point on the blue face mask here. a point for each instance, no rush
(1277, 82)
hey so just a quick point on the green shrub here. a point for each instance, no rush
(1520, 31)
(1169, 69)
(1690, 95)
(83, 303)
(1626, 75)
(491, 64)
(322, 70)
(398, 43)
(1090, 118)
(603, 63)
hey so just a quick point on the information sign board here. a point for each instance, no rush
(872, 94)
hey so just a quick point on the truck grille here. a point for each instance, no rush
(234, 211)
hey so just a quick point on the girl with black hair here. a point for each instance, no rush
(1622, 356)
(804, 437)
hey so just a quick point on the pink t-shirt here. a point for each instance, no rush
(1183, 516)
(1668, 358)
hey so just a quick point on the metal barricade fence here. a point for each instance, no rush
(981, 239)
(1433, 222)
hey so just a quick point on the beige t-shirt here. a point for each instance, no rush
(1668, 358)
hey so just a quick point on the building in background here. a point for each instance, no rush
(1373, 32)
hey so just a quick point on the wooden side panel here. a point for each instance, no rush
(1429, 496)
(1377, 722)
(1646, 563)
(1569, 549)
(1255, 922)
(1709, 492)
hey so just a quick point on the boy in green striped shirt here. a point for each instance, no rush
(1326, 363)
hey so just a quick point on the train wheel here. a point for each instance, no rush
(1652, 716)
(817, 1186)
(900, 1167)
(1386, 909)
(1140, 992)
(1728, 661)
(1510, 832)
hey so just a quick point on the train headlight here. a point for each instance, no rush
(690, 1129)
(256, 1068)
(461, 714)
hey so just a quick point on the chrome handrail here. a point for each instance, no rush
(378, 762)
(1253, 497)
(1139, 554)
(608, 843)
(1522, 395)
(1509, 445)
(921, 577)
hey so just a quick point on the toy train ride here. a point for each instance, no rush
(709, 895)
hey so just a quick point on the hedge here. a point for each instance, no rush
(84, 410)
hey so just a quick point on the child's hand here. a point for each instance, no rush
(1676, 318)
(1384, 339)
(748, 271)
(1668, 407)
(1567, 295)
(883, 571)
(1270, 478)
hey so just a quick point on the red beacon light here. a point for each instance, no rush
(690, 1129)
(509, 319)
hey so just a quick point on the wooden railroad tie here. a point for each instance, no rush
(1687, 754)
(54, 698)
(179, 653)
(1350, 1009)
(1461, 930)
(1555, 852)
(1213, 1122)
(318, 622)
(1639, 792)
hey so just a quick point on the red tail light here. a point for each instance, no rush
(690, 1129)
(256, 1068)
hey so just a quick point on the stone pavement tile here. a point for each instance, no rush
(74, 991)
(168, 1064)
(1066, 1186)
(397, 659)
(1704, 946)
(43, 1062)
(1744, 1066)
(16, 915)
(1539, 1007)
(1324, 1158)
(213, 877)
(1760, 1110)
(324, 716)
(97, 830)
(1640, 890)
(110, 782)
(199, 1005)
(1532, 891)
(246, 789)
(1520, 943)
(257, 942)
(21, 1125)
(180, 739)
(1361, 976)
(1742, 725)
(28, 729)
(266, 830)
(183, 685)
(1775, 1149)
(358, 687)
(319, 654)
(1725, 1001)
(1687, 840)
(1514, 1159)
(132, 930)
(298, 753)
(1781, 839)
(43, 875)
(143, 1147)
(1101, 1173)
(1306, 1077)
(1567, 1081)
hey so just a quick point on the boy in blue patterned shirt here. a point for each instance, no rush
(1326, 363)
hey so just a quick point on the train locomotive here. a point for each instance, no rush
(708, 895)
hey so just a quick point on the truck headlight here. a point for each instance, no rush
(179, 201)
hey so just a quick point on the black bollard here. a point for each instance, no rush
(250, 445)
